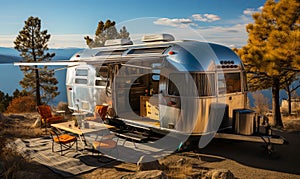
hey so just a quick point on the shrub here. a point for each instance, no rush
(63, 107)
(261, 103)
(22, 104)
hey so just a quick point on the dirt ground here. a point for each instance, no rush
(243, 159)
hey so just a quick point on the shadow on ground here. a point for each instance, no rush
(286, 158)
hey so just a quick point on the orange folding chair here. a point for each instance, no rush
(64, 140)
(46, 116)
(101, 110)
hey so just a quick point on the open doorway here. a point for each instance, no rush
(145, 103)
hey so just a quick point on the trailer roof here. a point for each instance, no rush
(183, 55)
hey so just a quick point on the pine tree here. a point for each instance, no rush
(123, 34)
(106, 31)
(32, 45)
(273, 49)
(5, 99)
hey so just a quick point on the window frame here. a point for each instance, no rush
(230, 81)
(80, 77)
(207, 76)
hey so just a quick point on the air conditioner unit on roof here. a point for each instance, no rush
(158, 37)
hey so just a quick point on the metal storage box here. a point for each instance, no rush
(243, 121)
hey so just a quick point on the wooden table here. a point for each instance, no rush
(88, 128)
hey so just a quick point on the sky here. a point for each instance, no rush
(68, 22)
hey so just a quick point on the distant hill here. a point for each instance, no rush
(8, 51)
(9, 58)
(10, 55)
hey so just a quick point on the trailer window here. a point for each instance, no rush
(81, 81)
(204, 84)
(229, 83)
(156, 71)
(159, 50)
(111, 52)
(81, 72)
(81, 76)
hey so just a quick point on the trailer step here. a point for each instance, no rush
(132, 136)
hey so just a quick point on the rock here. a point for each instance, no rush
(218, 174)
(37, 123)
(153, 174)
(142, 165)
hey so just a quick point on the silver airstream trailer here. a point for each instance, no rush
(161, 84)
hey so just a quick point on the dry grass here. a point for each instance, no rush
(15, 166)
(183, 166)
(12, 164)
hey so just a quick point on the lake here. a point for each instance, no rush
(11, 75)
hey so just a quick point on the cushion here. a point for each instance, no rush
(53, 119)
(104, 144)
(64, 138)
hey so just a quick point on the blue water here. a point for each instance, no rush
(10, 76)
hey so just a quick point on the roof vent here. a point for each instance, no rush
(157, 38)
(115, 42)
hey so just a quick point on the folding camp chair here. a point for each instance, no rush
(100, 113)
(64, 140)
(46, 116)
(106, 144)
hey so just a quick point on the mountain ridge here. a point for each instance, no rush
(10, 55)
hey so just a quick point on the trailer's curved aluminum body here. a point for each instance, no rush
(190, 87)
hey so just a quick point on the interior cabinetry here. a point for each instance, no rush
(149, 107)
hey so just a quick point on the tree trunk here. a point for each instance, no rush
(290, 100)
(275, 103)
(37, 81)
(37, 75)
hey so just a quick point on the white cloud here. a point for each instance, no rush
(183, 22)
(186, 22)
(260, 8)
(206, 17)
(233, 36)
(68, 40)
(232, 33)
(7, 40)
(250, 11)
